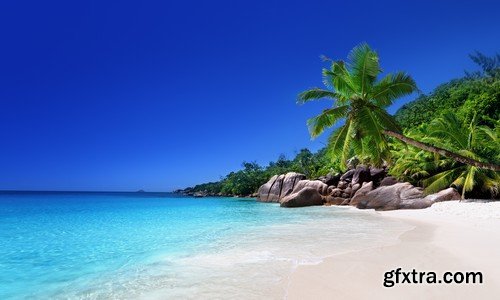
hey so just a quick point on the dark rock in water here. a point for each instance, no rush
(141, 191)
(387, 181)
(398, 196)
(278, 187)
(330, 179)
(361, 174)
(306, 196)
(199, 194)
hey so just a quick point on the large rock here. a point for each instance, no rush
(361, 174)
(316, 184)
(398, 196)
(444, 195)
(336, 192)
(387, 181)
(291, 179)
(274, 192)
(361, 193)
(306, 196)
(342, 184)
(347, 176)
(330, 179)
(377, 174)
(279, 186)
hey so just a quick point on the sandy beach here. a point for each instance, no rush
(447, 237)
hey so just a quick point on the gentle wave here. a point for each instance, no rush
(102, 246)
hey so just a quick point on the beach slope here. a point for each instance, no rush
(447, 237)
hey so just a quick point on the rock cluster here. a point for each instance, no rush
(279, 186)
(362, 187)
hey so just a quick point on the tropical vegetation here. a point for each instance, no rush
(449, 137)
(247, 180)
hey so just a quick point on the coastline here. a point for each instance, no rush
(449, 236)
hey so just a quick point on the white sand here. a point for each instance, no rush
(449, 236)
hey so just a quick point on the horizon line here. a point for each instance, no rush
(80, 191)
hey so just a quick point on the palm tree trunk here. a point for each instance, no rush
(443, 152)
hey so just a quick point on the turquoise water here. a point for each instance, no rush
(130, 245)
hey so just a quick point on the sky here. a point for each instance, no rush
(158, 95)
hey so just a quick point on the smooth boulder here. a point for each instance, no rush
(361, 193)
(278, 187)
(444, 195)
(388, 181)
(315, 184)
(398, 196)
(307, 196)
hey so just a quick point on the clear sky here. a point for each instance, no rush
(156, 95)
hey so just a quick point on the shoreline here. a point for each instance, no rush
(448, 236)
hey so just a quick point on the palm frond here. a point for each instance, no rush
(449, 129)
(392, 87)
(341, 79)
(316, 94)
(364, 67)
(491, 183)
(469, 181)
(386, 121)
(339, 143)
(326, 119)
(441, 180)
(369, 125)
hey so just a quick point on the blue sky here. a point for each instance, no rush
(156, 95)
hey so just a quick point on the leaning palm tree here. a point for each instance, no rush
(471, 141)
(360, 99)
(414, 164)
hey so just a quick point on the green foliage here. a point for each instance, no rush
(461, 116)
(435, 173)
(247, 180)
(490, 66)
(477, 93)
(359, 99)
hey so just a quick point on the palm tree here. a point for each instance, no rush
(414, 164)
(470, 141)
(360, 100)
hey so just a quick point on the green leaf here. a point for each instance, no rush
(364, 67)
(392, 87)
(441, 180)
(316, 94)
(326, 119)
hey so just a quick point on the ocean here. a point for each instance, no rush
(68, 245)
